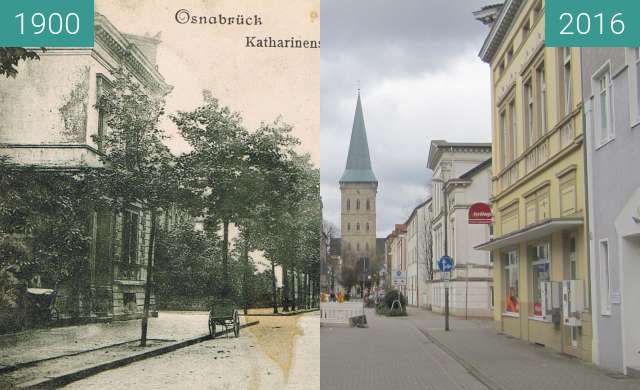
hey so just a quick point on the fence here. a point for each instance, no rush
(339, 313)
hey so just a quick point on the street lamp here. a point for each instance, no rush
(446, 217)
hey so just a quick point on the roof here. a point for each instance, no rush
(475, 170)
(435, 150)
(533, 232)
(499, 29)
(358, 169)
(415, 210)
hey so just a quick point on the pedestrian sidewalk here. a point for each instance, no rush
(42, 344)
(505, 363)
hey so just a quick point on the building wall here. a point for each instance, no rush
(550, 168)
(606, 163)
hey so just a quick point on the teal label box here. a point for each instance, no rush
(46, 23)
(592, 23)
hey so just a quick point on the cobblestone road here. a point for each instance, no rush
(222, 364)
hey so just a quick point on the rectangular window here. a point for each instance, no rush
(636, 66)
(633, 60)
(605, 281)
(511, 277)
(513, 130)
(603, 106)
(130, 225)
(528, 120)
(568, 194)
(539, 256)
(504, 135)
(566, 78)
(542, 100)
(510, 221)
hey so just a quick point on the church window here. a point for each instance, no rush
(367, 226)
(358, 226)
(357, 204)
(368, 205)
(348, 204)
(358, 246)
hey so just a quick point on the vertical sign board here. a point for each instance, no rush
(480, 213)
(46, 23)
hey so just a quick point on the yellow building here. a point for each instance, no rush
(539, 245)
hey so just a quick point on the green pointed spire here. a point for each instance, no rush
(358, 167)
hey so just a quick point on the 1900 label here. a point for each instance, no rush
(46, 23)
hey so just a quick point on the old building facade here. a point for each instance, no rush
(538, 194)
(48, 119)
(461, 177)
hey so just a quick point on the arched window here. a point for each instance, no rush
(367, 226)
(357, 204)
(348, 204)
(358, 226)
(368, 205)
(349, 226)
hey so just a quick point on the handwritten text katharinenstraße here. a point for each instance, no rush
(184, 16)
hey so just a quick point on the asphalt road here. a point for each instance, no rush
(390, 354)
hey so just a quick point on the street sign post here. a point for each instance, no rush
(399, 278)
(445, 264)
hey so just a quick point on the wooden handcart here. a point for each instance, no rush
(224, 315)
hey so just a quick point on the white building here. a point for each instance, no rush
(419, 251)
(461, 177)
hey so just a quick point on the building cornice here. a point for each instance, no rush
(499, 30)
(129, 54)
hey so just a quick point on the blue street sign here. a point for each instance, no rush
(445, 264)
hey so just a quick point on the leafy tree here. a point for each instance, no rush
(216, 169)
(138, 167)
(11, 56)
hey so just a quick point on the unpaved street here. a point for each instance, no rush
(280, 353)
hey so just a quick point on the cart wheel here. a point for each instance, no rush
(236, 325)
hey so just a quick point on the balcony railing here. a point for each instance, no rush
(560, 138)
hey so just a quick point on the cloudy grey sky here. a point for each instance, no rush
(420, 79)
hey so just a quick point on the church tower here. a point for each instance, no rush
(358, 189)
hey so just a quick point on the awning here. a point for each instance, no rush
(532, 232)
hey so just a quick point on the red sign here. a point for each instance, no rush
(480, 213)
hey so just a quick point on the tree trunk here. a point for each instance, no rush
(147, 287)
(226, 290)
(274, 291)
(245, 276)
(293, 289)
(285, 289)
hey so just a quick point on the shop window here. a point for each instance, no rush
(539, 257)
(511, 278)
